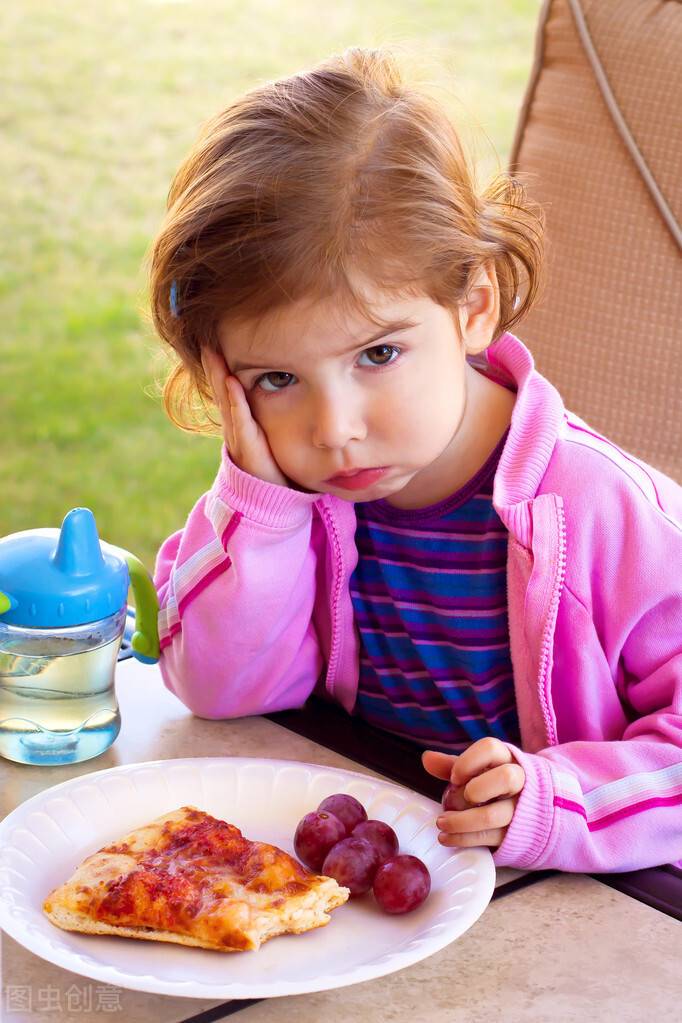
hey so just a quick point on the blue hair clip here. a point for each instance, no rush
(173, 301)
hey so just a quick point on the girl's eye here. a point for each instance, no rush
(262, 380)
(380, 355)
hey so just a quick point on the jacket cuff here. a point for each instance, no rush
(527, 835)
(266, 503)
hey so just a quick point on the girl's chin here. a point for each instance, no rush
(303, 489)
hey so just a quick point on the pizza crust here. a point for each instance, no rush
(227, 894)
(69, 920)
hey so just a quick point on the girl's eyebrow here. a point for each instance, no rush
(391, 328)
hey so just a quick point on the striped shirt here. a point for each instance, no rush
(430, 601)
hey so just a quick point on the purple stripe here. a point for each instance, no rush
(381, 609)
(466, 602)
(442, 533)
(459, 711)
(478, 685)
(486, 534)
(465, 703)
(451, 530)
(443, 641)
(416, 566)
(421, 631)
(449, 625)
(432, 540)
(440, 676)
(398, 557)
(472, 525)
(411, 605)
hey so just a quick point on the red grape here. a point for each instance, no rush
(380, 835)
(453, 799)
(315, 835)
(401, 884)
(347, 808)
(352, 862)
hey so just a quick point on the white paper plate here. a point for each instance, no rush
(47, 837)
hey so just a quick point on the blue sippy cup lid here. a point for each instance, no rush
(55, 578)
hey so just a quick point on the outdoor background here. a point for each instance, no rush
(101, 101)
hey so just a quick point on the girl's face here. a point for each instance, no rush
(335, 394)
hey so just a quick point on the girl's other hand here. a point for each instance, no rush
(486, 782)
(244, 439)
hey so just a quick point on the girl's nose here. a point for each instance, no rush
(336, 421)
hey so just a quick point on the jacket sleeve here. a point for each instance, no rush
(236, 591)
(606, 806)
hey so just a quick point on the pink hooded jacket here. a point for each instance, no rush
(255, 608)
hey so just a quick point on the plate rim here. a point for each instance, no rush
(152, 984)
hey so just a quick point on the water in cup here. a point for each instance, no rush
(63, 609)
(57, 698)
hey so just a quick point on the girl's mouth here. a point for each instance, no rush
(357, 479)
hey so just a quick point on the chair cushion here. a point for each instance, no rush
(604, 96)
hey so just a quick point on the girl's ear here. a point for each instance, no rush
(479, 311)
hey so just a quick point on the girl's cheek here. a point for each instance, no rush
(261, 410)
(281, 433)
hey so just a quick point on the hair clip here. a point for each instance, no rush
(173, 300)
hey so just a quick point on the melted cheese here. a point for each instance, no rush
(190, 874)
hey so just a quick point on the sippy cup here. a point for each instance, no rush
(63, 604)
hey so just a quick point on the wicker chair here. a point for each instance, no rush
(600, 136)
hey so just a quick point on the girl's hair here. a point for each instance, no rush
(305, 182)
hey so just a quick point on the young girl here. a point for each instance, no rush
(405, 514)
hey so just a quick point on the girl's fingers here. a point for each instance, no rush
(492, 838)
(217, 375)
(245, 440)
(247, 433)
(505, 780)
(478, 818)
(239, 406)
(479, 757)
(227, 414)
(438, 764)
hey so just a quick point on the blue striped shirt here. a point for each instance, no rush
(430, 601)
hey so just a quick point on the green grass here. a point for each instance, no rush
(101, 101)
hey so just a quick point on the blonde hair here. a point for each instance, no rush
(299, 182)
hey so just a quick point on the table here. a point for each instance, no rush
(565, 948)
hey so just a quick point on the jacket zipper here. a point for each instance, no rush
(548, 633)
(333, 650)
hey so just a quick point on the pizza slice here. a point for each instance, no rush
(192, 879)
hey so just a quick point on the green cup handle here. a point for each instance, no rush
(145, 640)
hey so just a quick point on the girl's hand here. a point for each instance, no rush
(486, 782)
(244, 439)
